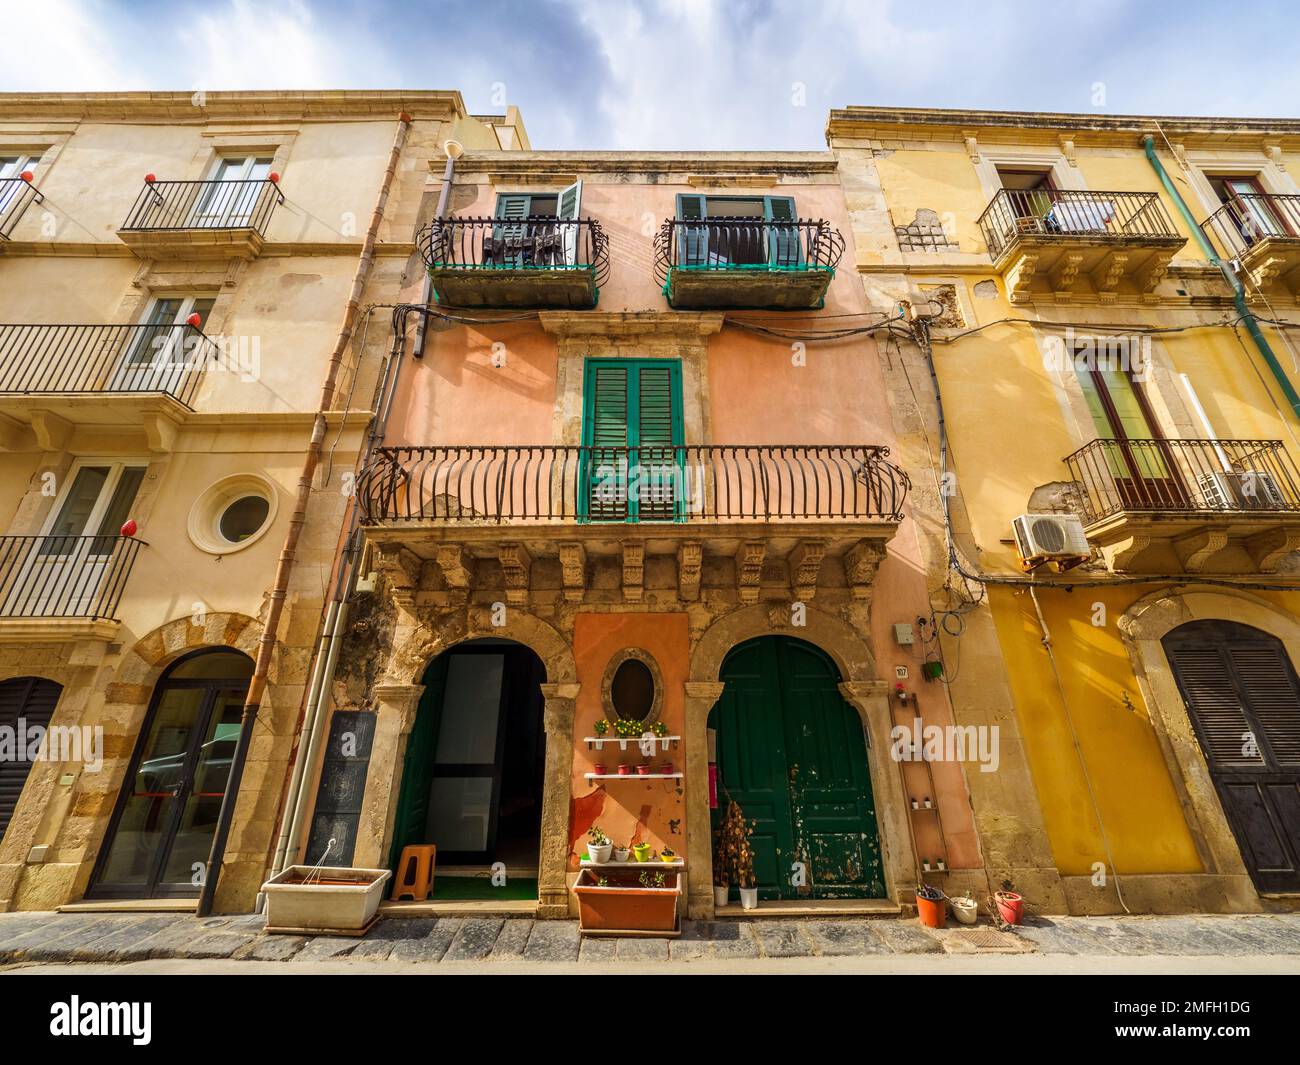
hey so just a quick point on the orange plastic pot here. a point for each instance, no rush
(933, 912)
(1010, 905)
(624, 905)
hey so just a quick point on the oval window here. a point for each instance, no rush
(243, 518)
(632, 690)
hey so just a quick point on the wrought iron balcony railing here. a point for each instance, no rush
(558, 484)
(1250, 218)
(103, 359)
(534, 243)
(1064, 213)
(64, 576)
(181, 205)
(746, 244)
(16, 194)
(1184, 476)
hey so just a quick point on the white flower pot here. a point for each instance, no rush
(338, 899)
(749, 898)
(964, 909)
(720, 895)
(622, 854)
(599, 854)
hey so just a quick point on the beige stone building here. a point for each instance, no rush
(177, 274)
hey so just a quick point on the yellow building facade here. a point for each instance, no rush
(1081, 292)
(186, 282)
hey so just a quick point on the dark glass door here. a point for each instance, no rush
(161, 832)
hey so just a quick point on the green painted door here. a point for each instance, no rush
(791, 751)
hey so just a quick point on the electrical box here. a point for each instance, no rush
(900, 672)
(903, 634)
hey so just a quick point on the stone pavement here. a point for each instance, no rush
(27, 938)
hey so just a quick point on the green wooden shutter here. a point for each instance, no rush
(632, 419)
(417, 767)
(785, 247)
(692, 241)
(510, 205)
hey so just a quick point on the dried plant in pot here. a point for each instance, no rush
(738, 854)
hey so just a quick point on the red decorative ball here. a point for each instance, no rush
(27, 176)
(194, 320)
(273, 177)
(129, 527)
(149, 179)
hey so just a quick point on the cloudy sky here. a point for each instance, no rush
(663, 74)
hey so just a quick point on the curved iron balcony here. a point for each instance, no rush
(103, 360)
(746, 262)
(16, 194)
(1263, 231)
(524, 262)
(557, 484)
(65, 576)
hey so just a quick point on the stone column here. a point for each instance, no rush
(701, 695)
(870, 698)
(557, 787)
(395, 709)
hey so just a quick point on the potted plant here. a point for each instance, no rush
(643, 770)
(624, 770)
(668, 855)
(739, 855)
(661, 730)
(621, 854)
(964, 909)
(599, 729)
(628, 901)
(625, 730)
(666, 769)
(343, 901)
(641, 852)
(598, 845)
(1009, 905)
(929, 906)
(601, 769)
(721, 873)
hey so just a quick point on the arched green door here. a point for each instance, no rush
(792, 752)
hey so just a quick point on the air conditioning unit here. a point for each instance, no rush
(1240, 490)
(1055, 538)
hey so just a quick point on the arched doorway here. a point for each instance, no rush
(26, 703)
(161, 832)
(791, 752)
(473, 773)
(1243, 697)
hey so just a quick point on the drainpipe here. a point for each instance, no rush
(288, 552)
(454, 151)
(1238, 290)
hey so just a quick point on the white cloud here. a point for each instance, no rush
(63, 46)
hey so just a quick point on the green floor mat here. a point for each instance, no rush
(447, 888)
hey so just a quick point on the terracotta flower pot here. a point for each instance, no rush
(643, 770)
(625, 770)
(624, 904)
(1010, 905)
(933, 912)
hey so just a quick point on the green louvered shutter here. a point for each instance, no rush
(784, 245)
(692, 241)
(605, 432)
(510, 205)
(658, 414)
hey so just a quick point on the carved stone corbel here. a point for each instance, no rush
(401, 570)
(457, 566)
(805, 563)
(1065, 273)
(1124, 554)
(1154, 272)
(52, 431)
(633, 570)
(1106, 277)
(573, 571)
(690, 563)
(516, 566)
(1268, 548)
(1020, 277)
(1196, 549)
(749, 569)
(861, 561)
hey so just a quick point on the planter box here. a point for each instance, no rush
(341, 900)
(624, 905)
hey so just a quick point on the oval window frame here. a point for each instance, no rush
(204, 524)
(656, 678)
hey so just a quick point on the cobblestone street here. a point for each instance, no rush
(44, 938)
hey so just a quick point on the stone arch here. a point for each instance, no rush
(861, 688)
(1142, 627)
(396, 701)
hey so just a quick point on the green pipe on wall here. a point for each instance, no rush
(1238, 290)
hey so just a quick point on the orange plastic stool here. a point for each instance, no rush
(415, 873)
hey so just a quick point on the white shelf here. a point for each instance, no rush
(632, 863)
(623, 741)
(633, 776)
